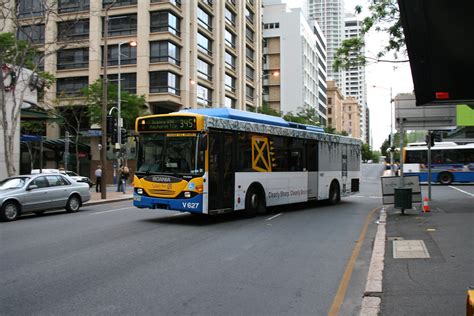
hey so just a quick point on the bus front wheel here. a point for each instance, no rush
(254, 202)
(445, 178)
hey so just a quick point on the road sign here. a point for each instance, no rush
(440, 117)
(390, 183)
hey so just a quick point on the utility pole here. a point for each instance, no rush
(103, 152)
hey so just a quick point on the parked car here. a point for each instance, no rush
(39, 193)
(71, 174)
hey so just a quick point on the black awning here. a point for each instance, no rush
(59, 145)
(440, 43)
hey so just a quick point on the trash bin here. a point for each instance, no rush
(403, 198)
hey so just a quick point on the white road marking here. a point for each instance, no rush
(118, 209)
(269, 219)
(452, 187)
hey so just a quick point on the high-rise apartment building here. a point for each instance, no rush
(354, 78)
(330, 16)
(200, 53)
(295, 50)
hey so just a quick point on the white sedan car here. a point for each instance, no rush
(39, 193)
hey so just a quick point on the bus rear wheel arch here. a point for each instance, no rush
(445, 177)
(255, 200)
(334, 193)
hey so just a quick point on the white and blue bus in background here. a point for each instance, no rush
(450, 162)
(211, 161)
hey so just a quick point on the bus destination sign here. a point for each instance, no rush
(171, 123)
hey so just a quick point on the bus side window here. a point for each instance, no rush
(312, 155)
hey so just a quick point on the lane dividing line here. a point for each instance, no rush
(118, 209)
(452, 187)
(346, 277)
(270, 218)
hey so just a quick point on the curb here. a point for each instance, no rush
(107, 201)
(373, 288)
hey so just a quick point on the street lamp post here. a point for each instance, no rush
(391, 128)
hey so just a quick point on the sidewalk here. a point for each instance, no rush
(112, 195)
(429, 257)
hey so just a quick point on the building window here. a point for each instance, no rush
(329, 111)
(229, 60)
(67, 6)
(249, 72)
(229, 83)
(249, 15)
(249, 34)
(204, 19)
(329, 100)
(229, 38)
(128, 55)
(164, 51)
(121, 25)
(173, 2)
(229, 16)
(204, 96)
(164, 81)
(128, 82)
(73, 30)
(204, 69)
(204, 44)
(71, 87)
(117, 3)
(249, 93)
(31, 33)
(249, 52)
(164, 21)
(73, 58)
(229, 103)
(29, 8)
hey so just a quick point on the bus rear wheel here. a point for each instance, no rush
(445, 178)
(334, 193)
(254, 202)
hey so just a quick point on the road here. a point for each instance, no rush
(115, 259)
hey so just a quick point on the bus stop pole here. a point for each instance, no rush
(429, 165)
(402, 184)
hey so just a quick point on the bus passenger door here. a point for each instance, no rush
(312, 164)
(221, 170)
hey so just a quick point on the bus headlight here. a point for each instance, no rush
(187, 194)
(140, 191)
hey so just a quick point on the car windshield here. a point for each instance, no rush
(13, 183)
(170, 154)
(71, 174)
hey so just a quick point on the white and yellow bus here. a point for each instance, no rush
(211, 161)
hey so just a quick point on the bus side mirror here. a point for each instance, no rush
(203, 142)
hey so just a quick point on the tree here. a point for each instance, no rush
(306, 115)
(366, 152)
(265, 109)
(132, 105)
(384, 17)
(18, 55)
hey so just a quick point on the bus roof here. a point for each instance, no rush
(246, 116)
(441, 146)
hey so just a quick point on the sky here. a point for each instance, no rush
(384, 76)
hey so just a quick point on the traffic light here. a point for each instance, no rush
(123, 135)
(436, 136)
(114, 137)
(111, 125)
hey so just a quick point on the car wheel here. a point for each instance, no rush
(39, 213)
(73, 204)
(445, 178)
(334, 193)
(254, 202)
(10, 211)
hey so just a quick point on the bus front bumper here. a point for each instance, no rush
(192, 205)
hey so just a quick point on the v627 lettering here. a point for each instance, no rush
(190, 205)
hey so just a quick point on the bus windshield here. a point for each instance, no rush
(175, 154)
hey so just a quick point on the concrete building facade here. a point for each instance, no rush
(330, 16)
(335, 108)
(295, 50)
(198, 53)
(351, 117)
(355, 84)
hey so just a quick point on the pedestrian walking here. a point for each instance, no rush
(124, 174)
(98, 179)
